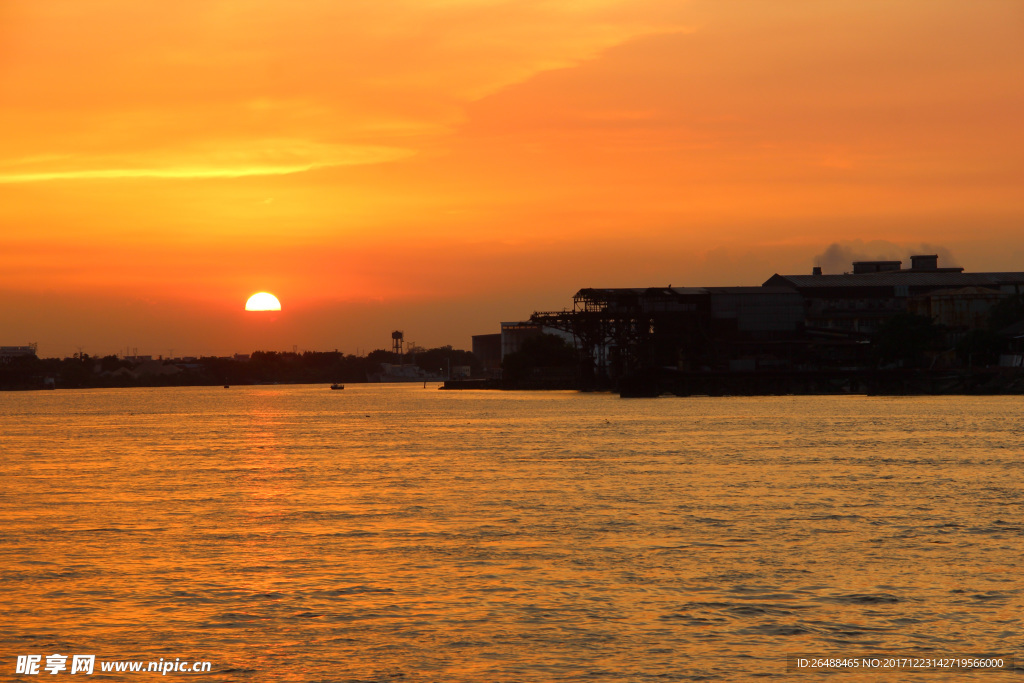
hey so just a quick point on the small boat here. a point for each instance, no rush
(337, 386)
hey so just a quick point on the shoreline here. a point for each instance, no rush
(995, 381)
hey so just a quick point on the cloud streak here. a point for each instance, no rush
(230, 160)
(166, 173)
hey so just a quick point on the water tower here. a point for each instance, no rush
(396, 344)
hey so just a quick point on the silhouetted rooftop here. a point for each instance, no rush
(898, 277)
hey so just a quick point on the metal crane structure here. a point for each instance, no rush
(620, 332)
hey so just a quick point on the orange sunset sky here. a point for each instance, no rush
(439, 166)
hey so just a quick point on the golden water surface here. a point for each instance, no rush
(396, 533)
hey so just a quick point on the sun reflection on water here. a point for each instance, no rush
(290, 534)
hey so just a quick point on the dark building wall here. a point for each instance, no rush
(487, 349)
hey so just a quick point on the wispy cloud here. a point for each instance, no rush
(169, 173)
(232, 160)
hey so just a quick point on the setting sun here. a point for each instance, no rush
(263, 301)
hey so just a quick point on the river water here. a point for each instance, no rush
(400, 533)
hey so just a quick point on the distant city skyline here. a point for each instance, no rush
(442, 167)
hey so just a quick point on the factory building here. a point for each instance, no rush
(9, 353)
(861, 301)
(791, 322)
(491, 349)
(487, 350)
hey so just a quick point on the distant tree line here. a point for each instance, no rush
(262, 367)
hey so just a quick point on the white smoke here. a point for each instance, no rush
(838, 257)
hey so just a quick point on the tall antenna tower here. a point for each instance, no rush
(396, 344)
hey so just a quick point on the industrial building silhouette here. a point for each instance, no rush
(792, 326)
